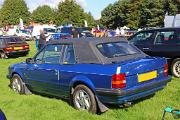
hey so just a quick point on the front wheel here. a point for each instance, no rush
(17, 84)
(84, 99)
(175, 67)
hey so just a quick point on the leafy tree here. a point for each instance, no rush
(115, 14)
(69, 12)
(138, 13)
(43, 14)
(12, 10)
(90, 19)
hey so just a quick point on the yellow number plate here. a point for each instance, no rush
(18, 48)
(147, 76)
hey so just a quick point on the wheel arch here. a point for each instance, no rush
(84, 81)
(20, 75)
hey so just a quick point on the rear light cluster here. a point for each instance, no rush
(118, 80)
(9, 49)
(166, 70)
(26, 46)
(14, 48)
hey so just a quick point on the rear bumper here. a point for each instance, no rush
(19, 52)
(119, 96)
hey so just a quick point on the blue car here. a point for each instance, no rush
(2, 115)
(91, 72)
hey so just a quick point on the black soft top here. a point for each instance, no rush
(87, 52)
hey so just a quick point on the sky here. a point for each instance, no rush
(93, 6)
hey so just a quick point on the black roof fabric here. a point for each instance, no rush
(86, 51)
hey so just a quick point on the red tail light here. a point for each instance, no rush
(9, 49)
(166, 69)
(26, 47)
(118, 80)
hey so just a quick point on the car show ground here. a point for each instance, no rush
(29, 107)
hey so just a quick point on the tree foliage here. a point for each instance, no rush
(43, 14)
(69, 12)
(12, 11)
(138, 13)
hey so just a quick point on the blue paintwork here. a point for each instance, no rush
(58, 79)
(57, 36)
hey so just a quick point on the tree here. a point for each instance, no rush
(12, 10)
(69, 12)
(43, 14)
(138, 13)
(115, 14)
(90, 19)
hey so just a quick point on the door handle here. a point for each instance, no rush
(145, 48)
(57, 73)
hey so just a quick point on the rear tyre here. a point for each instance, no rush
(84, 99)
(17, 84)
(3, 55)
(175, 67)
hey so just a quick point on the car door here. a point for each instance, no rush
(167, 44)
(68, 69)
(43, 74)
(143, 40)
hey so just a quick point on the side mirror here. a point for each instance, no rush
(29, 60)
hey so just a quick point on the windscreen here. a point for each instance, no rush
(117, 49)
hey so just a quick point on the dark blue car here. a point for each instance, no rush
(91, 72)
(2, 115)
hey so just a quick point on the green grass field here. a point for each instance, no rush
(35, 107)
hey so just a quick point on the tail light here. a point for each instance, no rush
(166, 69)
(118, 80)
(9, 49)
(26, 47)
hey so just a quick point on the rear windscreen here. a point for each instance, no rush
(117, 49)
(13, 40)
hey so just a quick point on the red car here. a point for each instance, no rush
(13, 46)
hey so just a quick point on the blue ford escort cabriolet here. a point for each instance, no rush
(91, 72)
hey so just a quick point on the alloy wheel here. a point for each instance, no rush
(82, 100)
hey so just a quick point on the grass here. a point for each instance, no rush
(35, 107)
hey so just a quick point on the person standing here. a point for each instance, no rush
(42, 40)
(75, 33)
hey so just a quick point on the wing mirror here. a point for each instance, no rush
(29, 60)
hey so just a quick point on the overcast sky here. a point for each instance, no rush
(93, 6)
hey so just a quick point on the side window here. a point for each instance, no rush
(39, 57)
(69, 57)
(166, 37)
(142, 38)
(51, 54)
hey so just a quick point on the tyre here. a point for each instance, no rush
(175, 67)
(17, 84)
(3, 55)
(83, 99)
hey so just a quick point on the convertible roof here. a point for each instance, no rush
(86, 50)
(87, 40)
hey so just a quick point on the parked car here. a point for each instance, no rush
(2, 115)
(164, 42)
(58, 36)
(12, 46)
(83, 32)
(24, 34)
(91, 72)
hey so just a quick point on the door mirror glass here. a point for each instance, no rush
(29, 60)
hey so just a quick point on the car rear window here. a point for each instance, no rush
(117, 49)
(13, 40)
